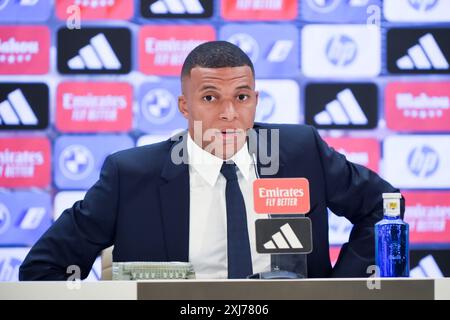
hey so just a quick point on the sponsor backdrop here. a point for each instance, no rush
(80, 79)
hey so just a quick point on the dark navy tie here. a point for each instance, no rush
(239, 255)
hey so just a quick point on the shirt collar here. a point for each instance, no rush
(208, 166)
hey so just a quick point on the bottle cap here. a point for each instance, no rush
(392, 195)
(391, 204)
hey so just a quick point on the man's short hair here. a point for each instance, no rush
(216, 54)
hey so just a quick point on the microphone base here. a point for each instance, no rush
(278, 274)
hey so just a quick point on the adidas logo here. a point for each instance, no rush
(424, 56)
(95, 56)
(16, 110)
(344, 110)
(177, 7)
(284, 239)
(285, 235)
(427, 268)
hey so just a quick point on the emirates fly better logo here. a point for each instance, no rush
(94, 107)
(24, 162)
(163, 49)
(428, 215)
(259, 9)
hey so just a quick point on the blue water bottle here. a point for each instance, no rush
(392, 239)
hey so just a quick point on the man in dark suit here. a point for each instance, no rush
(178, 200)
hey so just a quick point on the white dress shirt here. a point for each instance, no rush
(208, 214)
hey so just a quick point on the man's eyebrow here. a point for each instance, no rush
(208, 87)
(212, 87)
(244, 87)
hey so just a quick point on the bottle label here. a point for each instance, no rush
(392, 207)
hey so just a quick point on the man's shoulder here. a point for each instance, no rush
(293, 130)
(153, 155)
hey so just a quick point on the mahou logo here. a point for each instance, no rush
(163, 49)
(95, 9)
(24, 50)
(363, 151)
(259, 9)
(421, 106)
(24, 162)
(94, 107)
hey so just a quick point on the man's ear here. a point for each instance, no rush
(182, 106)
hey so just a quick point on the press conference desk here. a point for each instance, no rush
(424, 289)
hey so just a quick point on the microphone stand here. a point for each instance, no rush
(275, 272)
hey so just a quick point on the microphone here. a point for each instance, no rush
(278, 234)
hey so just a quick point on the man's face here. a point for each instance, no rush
(219, 104)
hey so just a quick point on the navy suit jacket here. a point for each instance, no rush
(140, 205)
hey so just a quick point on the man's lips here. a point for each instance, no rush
(230, 134)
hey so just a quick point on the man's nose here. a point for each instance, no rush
(228, 111)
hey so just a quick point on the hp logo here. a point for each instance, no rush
(247, 44)
(341, 50)
(423, 161)
(266, 106)
(159, 106)
(422, 5)
(5, 218)
(76, 162)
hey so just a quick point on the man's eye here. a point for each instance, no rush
(242, 97)
(209, 98)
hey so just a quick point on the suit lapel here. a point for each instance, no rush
(174, 197)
